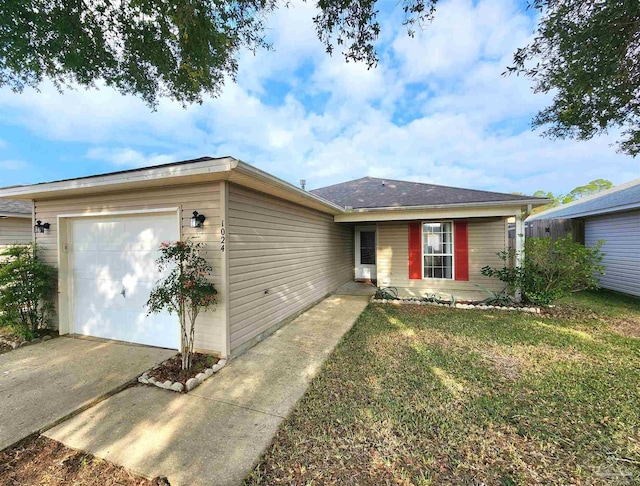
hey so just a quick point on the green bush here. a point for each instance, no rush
(551, 270)
(27, 287)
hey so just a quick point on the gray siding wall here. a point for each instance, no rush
(621, 234)
(15, 230)
(282, 258)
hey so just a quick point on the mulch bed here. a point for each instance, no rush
(39, 460)
(5, 347)
(6, 338)
(172, 368)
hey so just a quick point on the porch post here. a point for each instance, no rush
(519, 247)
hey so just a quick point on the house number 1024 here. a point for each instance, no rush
(223, 236)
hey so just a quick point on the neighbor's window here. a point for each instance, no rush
(437, 251)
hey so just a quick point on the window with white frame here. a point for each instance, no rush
(437, 250)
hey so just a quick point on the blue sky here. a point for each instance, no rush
(436, 109)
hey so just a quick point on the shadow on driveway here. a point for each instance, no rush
(215, 434)
(43, 383)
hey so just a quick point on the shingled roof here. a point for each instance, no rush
(13, 207)
(371, 192)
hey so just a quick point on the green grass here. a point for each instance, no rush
(430, 395)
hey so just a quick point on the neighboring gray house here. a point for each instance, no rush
(612, 216)
(15, 222)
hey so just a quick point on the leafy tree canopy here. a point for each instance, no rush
(586, 53)
(576, 193)
(180, 49)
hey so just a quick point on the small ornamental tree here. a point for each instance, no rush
(26, 290)
(185, 290)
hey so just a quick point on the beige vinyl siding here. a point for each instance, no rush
(15, 230)
(487, 236)
(204, 198)
(297, 255)
(621, 235)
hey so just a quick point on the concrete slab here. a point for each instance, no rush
(154, 432)
(356, 288)
(43, 383)
(215, 434)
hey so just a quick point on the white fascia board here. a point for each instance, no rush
(433, 213)
(269, 179)
(14, 215)
(523, 203)
(126, 177)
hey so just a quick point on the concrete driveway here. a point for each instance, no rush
(43, 383)
(215, 434)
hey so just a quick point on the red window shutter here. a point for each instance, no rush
(415, 251)
(461, 248)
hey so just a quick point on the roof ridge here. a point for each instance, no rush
(523, 196)
(340, 183)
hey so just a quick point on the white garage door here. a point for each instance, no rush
(114, 269)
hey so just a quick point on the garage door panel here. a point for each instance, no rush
(114, 271)
(152, 331)
(137, 294)
(85, 238)
(96, 294)
(99, 265)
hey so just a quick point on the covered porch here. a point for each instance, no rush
(440, 257)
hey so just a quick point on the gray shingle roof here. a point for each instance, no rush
(619, 198)
(371, 192)
(11, 206)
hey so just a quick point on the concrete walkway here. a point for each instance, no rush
(356, 288)
(43, 383)
(215, 434)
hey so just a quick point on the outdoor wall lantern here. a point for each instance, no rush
(41, 227)
(197, 220)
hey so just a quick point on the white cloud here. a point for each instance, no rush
(13, 165)
(436, 109)
(127, 157)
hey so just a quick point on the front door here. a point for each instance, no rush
(366, 253)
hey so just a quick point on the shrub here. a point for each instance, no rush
(27, 287)
(390, 293)
(551, 270)
(185, 290)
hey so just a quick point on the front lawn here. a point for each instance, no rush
(430, 395)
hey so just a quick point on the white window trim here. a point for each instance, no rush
(453, 250)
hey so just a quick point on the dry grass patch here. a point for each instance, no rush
(42, 461)
(629, 327)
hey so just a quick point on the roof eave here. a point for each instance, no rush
(520, 202)
(6, 214)
(228, 168)
(584, 214)
(245, 169)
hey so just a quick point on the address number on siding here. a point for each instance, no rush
(223, 236)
